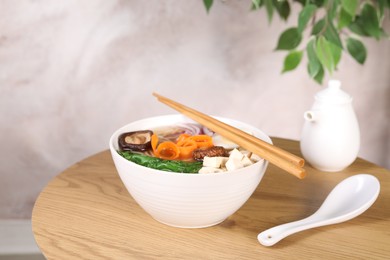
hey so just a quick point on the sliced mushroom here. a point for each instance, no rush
(135, 141)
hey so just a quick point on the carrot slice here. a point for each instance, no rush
(202, 140)
(154, 142)
(183, 148)
(186, 148)
(182, 137)
(167, 151)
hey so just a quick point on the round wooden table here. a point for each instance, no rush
(86, 213)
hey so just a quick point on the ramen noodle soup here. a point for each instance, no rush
(183, 148)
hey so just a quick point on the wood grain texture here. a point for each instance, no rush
(86, 213)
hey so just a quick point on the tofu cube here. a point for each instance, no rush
(236, 154)
(255, 158)
(234, 164)
(245, 152)
(216, 162)
(246, 161)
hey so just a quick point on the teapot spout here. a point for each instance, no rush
(310, 116)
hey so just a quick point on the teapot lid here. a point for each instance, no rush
(333, 93)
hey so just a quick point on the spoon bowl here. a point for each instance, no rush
(350, 198)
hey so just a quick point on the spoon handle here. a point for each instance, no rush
(273, 235)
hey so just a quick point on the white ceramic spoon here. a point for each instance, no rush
(348, 199)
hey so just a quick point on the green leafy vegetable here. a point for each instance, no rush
(160, 164)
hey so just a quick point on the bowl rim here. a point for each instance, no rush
(116, 133)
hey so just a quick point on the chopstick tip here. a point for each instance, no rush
(302, 175)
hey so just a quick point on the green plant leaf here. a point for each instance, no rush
(283, 8)
(326, 28)
(331, 9)
(332, 35)
(320, 75)
(350, 6)
(269, 8)
(382, 6)
(318, 3)
(208, 4)
(357, 50)
(345, 19)
(302, 2)
(289, 39)
(256, 4)
(317, 28)
(292, 60)
(314, 64)
(336, 52)
(370, 21)
(305, 15)
(324, 53)
(357, 27)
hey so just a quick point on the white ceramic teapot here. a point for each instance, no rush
(330, 138)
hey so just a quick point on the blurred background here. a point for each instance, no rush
(71, 72)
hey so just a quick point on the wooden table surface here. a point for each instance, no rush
(86, 213)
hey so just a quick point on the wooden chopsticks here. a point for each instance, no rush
(279, 157)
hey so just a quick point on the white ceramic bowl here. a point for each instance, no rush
(187, 200)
